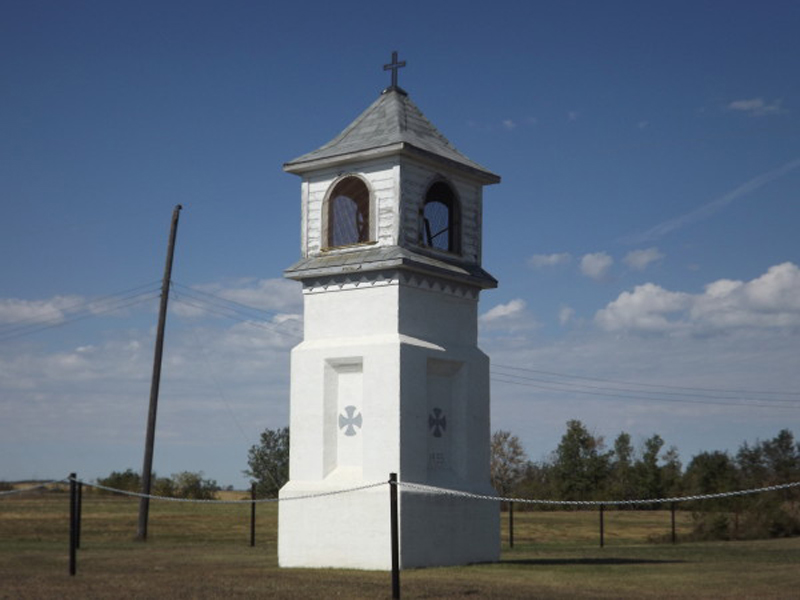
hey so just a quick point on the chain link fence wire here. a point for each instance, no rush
(213, 501)
(427, 489)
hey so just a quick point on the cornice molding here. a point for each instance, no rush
(396, 277)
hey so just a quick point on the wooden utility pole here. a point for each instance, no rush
(144, 503)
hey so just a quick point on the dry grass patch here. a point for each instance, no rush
(202, 551)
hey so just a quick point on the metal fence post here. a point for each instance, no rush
(672, 510)
(602, 532)
(395, 536)
(78, 516)
(511, 524)
(253, 515)
(73, 522)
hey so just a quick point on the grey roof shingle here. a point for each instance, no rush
(393, 120)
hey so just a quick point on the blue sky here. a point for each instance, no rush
(644, 231)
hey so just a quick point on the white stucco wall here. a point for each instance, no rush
(412, 350)
(389, 379)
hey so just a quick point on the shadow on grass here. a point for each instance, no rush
(588, 561)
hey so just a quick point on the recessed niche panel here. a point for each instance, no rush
(444, 419)
(344, 418)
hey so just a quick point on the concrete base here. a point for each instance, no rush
(352, 530)
(349, 531)
(438, 531)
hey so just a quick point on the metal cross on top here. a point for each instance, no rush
(393, 67)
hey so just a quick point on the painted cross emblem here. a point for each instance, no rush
(437, 422)
(350, 420)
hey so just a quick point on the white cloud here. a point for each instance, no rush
(746, 360)
(540, 261)
(769, 301)
(256, 336)
(572, 115)
(107, 382)
(13, 310)
(265, 294)
(565, 314)
(511, 316)
(643, 124)
(93, 389)
(187, 307)
(117, 363)
(596, 265)
(645, 309)
(641, 259)
(85, 397)
(504, 311)
(286, 318)
(271, 295)
(757, 107)
(772, 300)
(509, 124)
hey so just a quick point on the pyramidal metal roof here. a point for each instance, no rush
(392, 124)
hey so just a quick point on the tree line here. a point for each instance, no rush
(186, 484)
(268, 463)
(584, 467)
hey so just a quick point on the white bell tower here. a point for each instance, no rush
(389, 377)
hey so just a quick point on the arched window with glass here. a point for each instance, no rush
(348, 213)
(439, 226)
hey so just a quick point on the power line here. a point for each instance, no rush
(580, 386)
(651, 385)
(79, 306)
(101, 299)
(91, 309)
(230, 313)
(634, 396)
(215, 299)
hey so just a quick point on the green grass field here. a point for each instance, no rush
(203, 551)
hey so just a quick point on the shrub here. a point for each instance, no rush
(127, 480)
(711, 526)
(768, 518)
(192, 485)
(163, 486)
(181, 485)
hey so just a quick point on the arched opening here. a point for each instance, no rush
(439, 227)
(348, 213)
